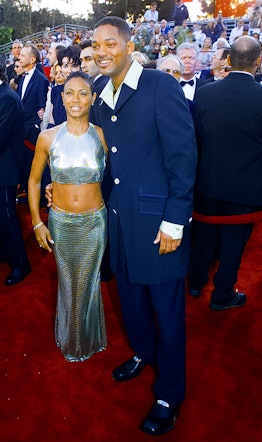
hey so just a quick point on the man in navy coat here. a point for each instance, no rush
(12, 247)
(150, 136)
(33, 92)
(229, 180)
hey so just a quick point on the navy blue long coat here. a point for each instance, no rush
(152, 152)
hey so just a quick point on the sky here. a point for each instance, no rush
(80, 7)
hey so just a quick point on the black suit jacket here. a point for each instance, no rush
(99, 85)
(228, 123)
(33, 100)
(11, 137)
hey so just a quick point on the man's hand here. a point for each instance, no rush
(48, 194)
(40, 113)
(167, 244)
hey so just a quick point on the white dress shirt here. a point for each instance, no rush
(27, 78)
(189, 90)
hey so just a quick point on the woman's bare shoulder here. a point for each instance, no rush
(49, 134)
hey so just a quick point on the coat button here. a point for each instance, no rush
(114, 149)
(114, 118)
(116, 180)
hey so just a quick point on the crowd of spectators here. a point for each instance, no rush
(155, 38)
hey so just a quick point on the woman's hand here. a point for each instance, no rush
(43, 237)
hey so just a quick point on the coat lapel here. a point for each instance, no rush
(125, 94)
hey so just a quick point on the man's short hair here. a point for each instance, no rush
(84, 76)
(18, 42)
(85, 44)
(170, 57)
(190, 46)
(122, 27)
(34, 51)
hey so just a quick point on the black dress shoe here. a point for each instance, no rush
(160, 419)
(17, 275)
(128, 370)
(238, 300)
(194, 292)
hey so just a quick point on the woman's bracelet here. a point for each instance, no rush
(38, 225)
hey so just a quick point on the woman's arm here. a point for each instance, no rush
(102, 138)
(42, 234)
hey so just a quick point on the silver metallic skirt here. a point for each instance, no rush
(79, 244)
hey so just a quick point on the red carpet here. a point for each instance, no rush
(46, 399)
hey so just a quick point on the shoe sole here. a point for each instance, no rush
(158, 433)
(219, 308)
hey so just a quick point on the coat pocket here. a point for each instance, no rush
(152, 200)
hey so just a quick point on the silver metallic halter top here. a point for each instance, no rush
(77, 159)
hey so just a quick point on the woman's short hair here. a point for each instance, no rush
(85, 77)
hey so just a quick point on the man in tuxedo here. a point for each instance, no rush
(12, 247)
(229, 181)
(33, 92)
(153, 163)
(188, 53)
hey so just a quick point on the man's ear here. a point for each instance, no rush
(228, 60)
(130, 47)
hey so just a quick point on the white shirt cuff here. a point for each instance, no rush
(173, 230)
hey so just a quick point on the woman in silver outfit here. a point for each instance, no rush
(75, 151)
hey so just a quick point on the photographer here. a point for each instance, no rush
(220, 25)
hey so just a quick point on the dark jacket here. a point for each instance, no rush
(33, 100)
(228, 123)
(11, 137)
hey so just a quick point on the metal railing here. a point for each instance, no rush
(38, 36)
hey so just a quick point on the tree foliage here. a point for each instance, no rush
(18, 15)
(5, 34)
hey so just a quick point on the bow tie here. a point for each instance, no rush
(190, 82)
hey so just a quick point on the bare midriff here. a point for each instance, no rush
(77, 198)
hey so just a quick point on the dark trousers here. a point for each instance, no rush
(154, 317)
(11, 238)
(28, 156)
(228, 240)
